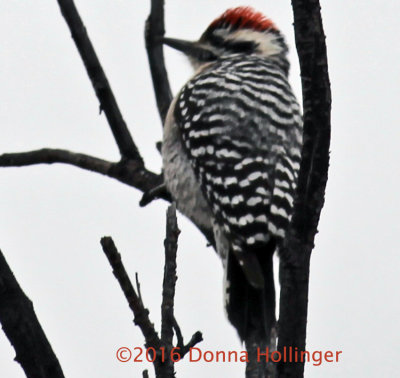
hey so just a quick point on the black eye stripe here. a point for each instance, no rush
(241, 46)
(233, 45)
(215, 40)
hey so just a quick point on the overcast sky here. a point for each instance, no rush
(52, 217)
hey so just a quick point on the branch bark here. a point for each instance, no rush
(141, 314)
(168, 295)
(296, 253)
(154, 32)
(22, 328)
(127, 171)
(95, 71)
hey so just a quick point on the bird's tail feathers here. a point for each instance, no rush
(251, 310)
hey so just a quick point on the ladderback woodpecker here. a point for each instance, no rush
(231, 155)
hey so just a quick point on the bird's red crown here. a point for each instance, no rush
(244, 17)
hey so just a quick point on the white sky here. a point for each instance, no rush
(52, 217)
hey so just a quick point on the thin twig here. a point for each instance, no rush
(296, 253)
(22, 328)
(196, 338)
(95, 71)
(154, 32)
(138, 287)
(178, 333)
(184, 348)
(159, 191)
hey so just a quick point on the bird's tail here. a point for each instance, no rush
(251, 310)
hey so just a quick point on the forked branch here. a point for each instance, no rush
(164, 362)
(129, 172)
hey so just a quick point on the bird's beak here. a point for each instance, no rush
(191, 49)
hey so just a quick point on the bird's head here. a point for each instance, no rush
(238, 30)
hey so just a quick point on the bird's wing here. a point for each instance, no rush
(235, 137)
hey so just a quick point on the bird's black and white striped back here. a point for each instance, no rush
(241, 129)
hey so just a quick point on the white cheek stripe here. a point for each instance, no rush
(267, 44)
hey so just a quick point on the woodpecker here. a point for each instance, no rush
(231, 155)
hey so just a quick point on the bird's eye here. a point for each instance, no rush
(241, 46)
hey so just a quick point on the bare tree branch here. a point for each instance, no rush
(126, 171)
(295, 256)
(196, 338)
(22, 328)
(257, 367)
(168, 320)
(130, 170)
(168, 294)
(141, 314)
(99, 81)
(164, 362)
(154, 32)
